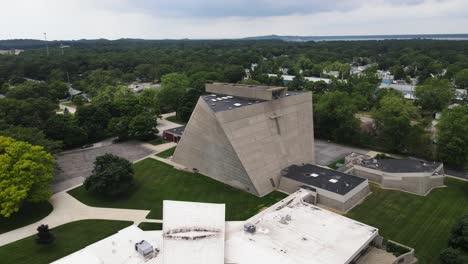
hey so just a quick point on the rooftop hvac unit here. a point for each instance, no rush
(144, 248)
(249, 228)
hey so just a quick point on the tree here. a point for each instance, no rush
(461, 79)
(187, 104)
(393, 123)
(173, 87)
(398, 72)
(146, 72)
(450, 256)
(78, 100)
(459, 234)
(434, 94)
(26, 174)
(44, 236)
(143, 126)
(32, 135)
(112, 176)
(334, 117)
(64, 128)
(452, 136)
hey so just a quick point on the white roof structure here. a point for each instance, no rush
(310, 79)
(193, 233)
(293, 231)
(117, 249)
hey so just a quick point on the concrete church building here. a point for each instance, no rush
(245, 135)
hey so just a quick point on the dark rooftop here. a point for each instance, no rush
(220, 102)
(178, 131)
(400, 165)
(319, 177)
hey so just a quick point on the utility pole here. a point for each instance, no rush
(47, 44)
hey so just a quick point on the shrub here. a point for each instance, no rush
(112, 175)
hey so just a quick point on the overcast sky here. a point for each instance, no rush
(159, 19)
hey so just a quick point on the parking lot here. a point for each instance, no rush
(76, 165)
(328, 152)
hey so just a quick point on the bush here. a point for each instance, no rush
(112, 175)
(44, 236)
(450, 256)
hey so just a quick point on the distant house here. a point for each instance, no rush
(335, 74)
(460, 94)
(406, 89)
(11, 52)
(358, 70)
(138, 87)
(73, 92)
(290, 78)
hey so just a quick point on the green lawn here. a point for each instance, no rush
(157, 181)
(174, 119)
(167, 153)
(29, 213)
(157, 141)
(147, 226)
(423, 223)
(69, 238)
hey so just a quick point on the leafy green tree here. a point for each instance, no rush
(187, 104)
(143, 126)
(93, 119)
(31, 135)
(109, 94)
(78, 100)
(450, 256)
(398, 72)
(31, 112)
(393, 123)
(119, 126)
(65, 129)
(148, 101)
(173, 87)
(146, 72)
(461, 79)
(459, 234)
(452, 136)
(26, 174)
(434, 94)
(112, 176)
(334, 117)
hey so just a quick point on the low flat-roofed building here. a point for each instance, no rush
(193, 233)
(333, 189)
(410, 175)
(119, 248)
(294, 231)
(174, 134)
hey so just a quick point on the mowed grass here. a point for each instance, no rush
(69, 238)
(28, 214)
(157, 181)
(166, 153)
(423, 223)
(174, 119)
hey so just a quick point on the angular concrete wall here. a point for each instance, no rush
(205, 147)
(256, 142)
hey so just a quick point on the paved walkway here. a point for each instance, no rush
(164, 124)
(67, 209)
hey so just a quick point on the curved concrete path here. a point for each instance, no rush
(67, 209)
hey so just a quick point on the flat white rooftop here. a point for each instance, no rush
(193, 233)
(117, 249)
(293, 231)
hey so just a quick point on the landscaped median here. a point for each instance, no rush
(420, 222)
(156, 181)
(69, 238)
